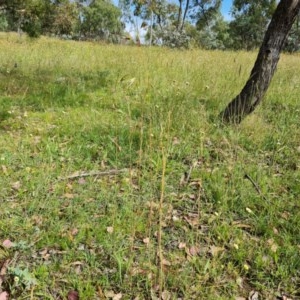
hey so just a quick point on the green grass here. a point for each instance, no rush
(69, 107)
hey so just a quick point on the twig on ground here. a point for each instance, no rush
(93, 173)
(3, 271)
(255, 186)
(187, 175)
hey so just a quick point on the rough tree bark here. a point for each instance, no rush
(265, 65)
(187, 4)
(179, 15)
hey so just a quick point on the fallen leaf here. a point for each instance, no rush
(45, 254)
(285, 215)
(196, 183)
(136, 271)
(74, 231)
(182, 245)
(183, 180)
(77, 263)
(81, 247)
(4, 296)
(37, 220)
(36, 140)
(130, 81)
(273, 245)
(192, 221)
(16, 185)
(166, 295)
(175, 218)
(69, 186)
(100, 293)
(69, 195)
(253, 295)
(152, 205)
(110, 229)
(7, 244)
(146, 241)
(153, 295)
(284, 297)
(111, 294)
(241, 225)
(73, 295)
(274, 248)
(117, 296)
(4, 169)
(175, 141)
(165, 262)
(193, 251)
(239, 282)
(214, 250)
(78, 270)
(192, 196)
(81, 180)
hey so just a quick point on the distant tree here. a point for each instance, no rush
(250, 20)
(10, 10)
(222, 29)
(215, 35)
(293, 40)
(101, 19)
(154, 13)
(31, 16)
(65, 18)
(167, 20)
(166, 26)
(266, 62)
(204, 12)
(3, 21)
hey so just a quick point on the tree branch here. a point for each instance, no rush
(93, 173)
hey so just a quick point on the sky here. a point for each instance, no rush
(226, 6)
(225, 10)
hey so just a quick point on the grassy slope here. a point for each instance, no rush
(70, 106)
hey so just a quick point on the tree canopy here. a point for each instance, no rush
(61, 17)
(176, 23)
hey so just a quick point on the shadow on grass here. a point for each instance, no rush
(40, 91)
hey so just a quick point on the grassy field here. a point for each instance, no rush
(173, 204)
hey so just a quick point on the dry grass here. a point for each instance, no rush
(183, 221)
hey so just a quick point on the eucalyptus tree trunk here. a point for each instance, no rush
(187, 4)
(178, 26)
(151, 29)
(265, 65)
